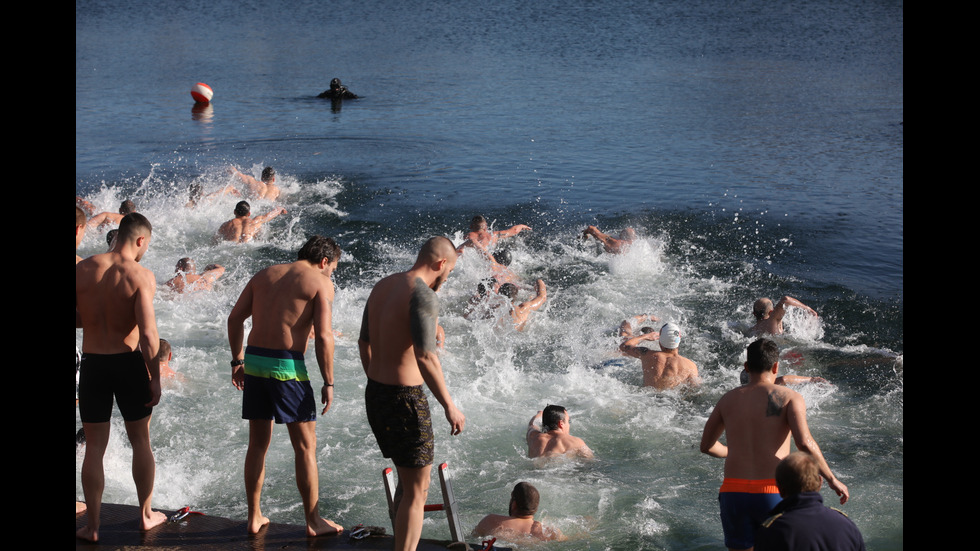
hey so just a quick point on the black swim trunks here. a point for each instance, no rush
(103, 376)
(399, 417)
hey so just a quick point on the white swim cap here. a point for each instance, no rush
(670, 336)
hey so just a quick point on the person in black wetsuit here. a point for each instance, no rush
(337, 91)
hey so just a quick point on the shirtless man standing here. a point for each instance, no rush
(520, 312)
(265, 188)
(114, 308)
(553, 438)
(398, 351)
(187, 278)
(482, 238)
(664, 368)
(285, 301)
(519, 521)
(759, 419)
(769, 318)
(242, 228)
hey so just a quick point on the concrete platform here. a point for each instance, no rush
(118, 530)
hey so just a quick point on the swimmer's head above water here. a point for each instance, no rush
(761, 308)
(243, 208)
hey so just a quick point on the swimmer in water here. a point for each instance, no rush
(610, 244)
(242, 228)
(103, 219)
(265, 188)
(337, 91)
(769, 318)
(519, 521)
(554, 437)
(519, 313)
(482, 238)
(665, 368)
(196, 194)
(187, 278)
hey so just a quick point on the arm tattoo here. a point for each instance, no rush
(775, 404)
(423, 310)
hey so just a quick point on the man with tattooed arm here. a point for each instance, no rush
(758, 419)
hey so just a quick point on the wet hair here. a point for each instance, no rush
(647, 329)
(509, 290)
(127, 207)
(164, 352)
(133, 225)
(525, 499)
(503, 257)
(761, 308)
(760, 355)
(80, 217)
(110, 236)
(268, 173)
(477, 221)
(798, 473)
(186, 264)
(243, 208)
(317, 248)
(551, 416)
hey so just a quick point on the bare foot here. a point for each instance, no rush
(87, 534)
(155, 518)
(80, 507)
(255, 525)
(323, 527)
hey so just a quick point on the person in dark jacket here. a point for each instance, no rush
(800, 521)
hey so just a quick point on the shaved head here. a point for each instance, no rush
(438, 255)
(437, 248)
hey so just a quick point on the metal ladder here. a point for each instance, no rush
(448, 500)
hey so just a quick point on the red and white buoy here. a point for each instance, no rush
(202, 93)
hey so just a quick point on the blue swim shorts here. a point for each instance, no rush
(277, 387)
(745, 504)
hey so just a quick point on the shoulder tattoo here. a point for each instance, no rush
(423, 311)
(775, 404)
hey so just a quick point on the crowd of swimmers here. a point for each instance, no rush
(399, 343)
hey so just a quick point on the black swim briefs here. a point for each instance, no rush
(103, 376)
(399, 417)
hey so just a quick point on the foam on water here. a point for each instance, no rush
(648, 487)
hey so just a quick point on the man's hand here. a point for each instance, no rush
(326, 397)
(238, 376)
(154, 393)
(841, 490)
(456, 420)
